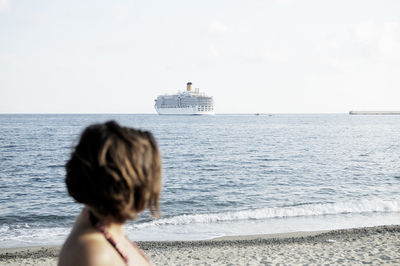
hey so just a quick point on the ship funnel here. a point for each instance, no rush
(189, 86)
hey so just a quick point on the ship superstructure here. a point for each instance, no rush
(189, 102)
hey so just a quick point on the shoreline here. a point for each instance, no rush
(376, 245)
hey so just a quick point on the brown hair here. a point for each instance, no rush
(116, 171)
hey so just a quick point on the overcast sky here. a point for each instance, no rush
(273, 56)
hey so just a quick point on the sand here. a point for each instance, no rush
(374, 245)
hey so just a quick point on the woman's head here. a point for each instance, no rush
(116, 171)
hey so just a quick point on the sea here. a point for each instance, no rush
(223, 175)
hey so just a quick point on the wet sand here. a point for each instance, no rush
(374, 245)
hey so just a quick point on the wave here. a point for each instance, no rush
(15, 233)
(299, 210)
(35, 218)
(24, 235)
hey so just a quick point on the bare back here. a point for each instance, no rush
(88, 246)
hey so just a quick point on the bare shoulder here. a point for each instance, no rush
(88, 249)
(137, 255)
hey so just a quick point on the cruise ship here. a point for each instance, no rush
(189, 102)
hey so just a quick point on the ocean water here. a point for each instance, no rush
(222, 174)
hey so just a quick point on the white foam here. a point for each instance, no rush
(306, 217)
(24, 235)
(255, 227)
(356, 207)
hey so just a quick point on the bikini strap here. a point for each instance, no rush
(96, 223)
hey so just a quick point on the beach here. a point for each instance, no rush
(372, 245)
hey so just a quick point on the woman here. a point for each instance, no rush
(116, 173)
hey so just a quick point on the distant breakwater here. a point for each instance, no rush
(374, 112)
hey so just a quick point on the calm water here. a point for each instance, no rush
(223, 175)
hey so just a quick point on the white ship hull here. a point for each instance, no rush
(183, 111)
(189, 102)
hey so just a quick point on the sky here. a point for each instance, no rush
(253, 56)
